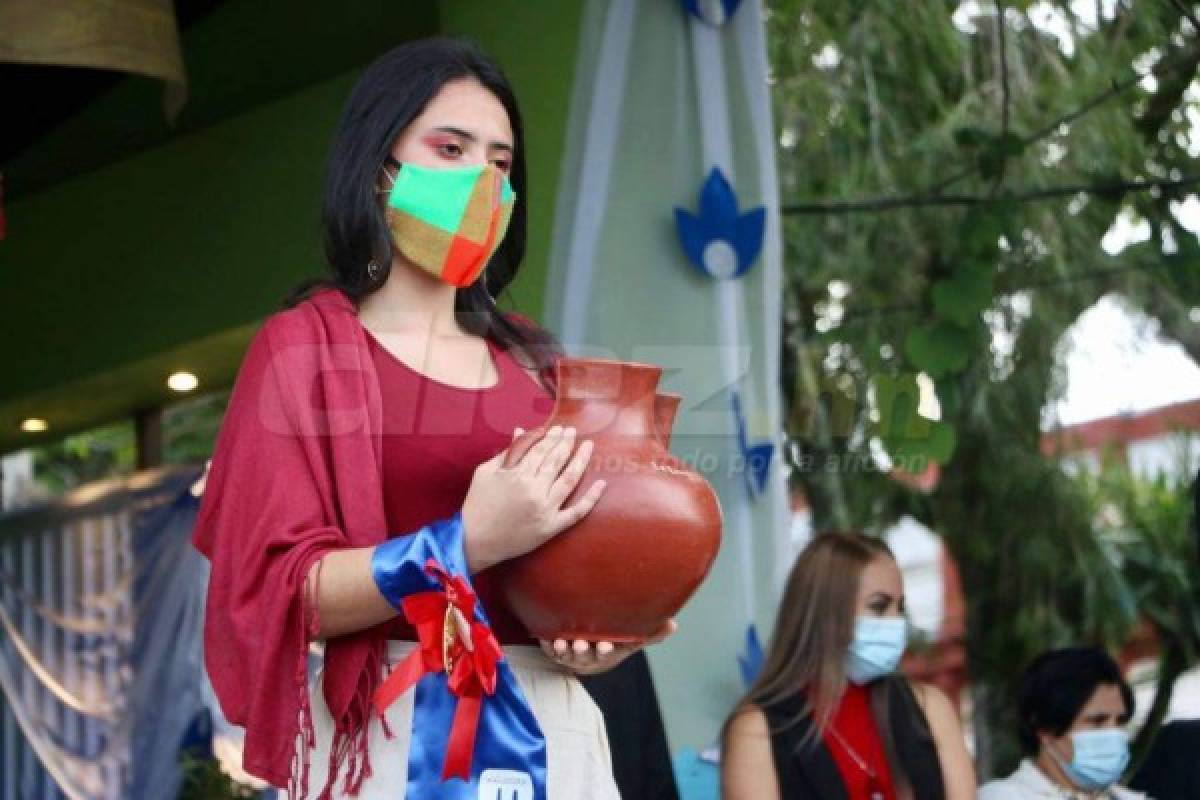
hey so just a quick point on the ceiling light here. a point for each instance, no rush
(182, 381)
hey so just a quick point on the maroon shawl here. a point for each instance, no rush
(296, 472)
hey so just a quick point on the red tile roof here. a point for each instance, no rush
(1123, 429)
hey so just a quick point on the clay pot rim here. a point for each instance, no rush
(612, 362)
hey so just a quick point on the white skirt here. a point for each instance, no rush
(578, 763)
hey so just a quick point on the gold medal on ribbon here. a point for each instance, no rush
(449, 637)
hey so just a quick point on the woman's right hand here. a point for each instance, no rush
(512, 510)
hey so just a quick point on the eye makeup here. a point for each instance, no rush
(443, 141)
(447, 136)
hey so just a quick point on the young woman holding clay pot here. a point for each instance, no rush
(365, 440)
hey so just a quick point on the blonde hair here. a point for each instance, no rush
(806, 657)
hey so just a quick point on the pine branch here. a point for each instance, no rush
(1161, 67)
(1002, 47)
(922, 201)
(871, 312)
(1004, 91)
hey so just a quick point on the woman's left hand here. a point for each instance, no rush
(590, 658)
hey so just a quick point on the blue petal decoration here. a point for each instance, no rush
(718, 203)
(750, 660)
(714, 12)
(748, 232)
(756, 457)
(720, 241)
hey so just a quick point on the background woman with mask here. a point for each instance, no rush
(828, 716)
(359, 467)
(1072, 706)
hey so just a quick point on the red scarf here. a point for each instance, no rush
(296, 472)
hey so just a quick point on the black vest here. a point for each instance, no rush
(807, 770)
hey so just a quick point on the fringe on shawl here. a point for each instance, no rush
(350, 735)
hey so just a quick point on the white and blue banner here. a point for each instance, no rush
(667, 250)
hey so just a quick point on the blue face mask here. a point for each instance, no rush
(1100, 758)
(878, 644)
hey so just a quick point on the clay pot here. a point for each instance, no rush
(666, 406)
(633, 562)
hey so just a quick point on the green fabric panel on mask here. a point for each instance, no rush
(507, 195)
(435, 196)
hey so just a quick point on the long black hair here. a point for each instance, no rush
(392, 92)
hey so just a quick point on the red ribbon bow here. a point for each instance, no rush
(468, 651)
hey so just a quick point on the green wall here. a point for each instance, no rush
(168, 257)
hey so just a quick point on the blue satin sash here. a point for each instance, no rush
(509, 759)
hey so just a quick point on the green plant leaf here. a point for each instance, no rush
(896, 399)
(938, 445)
(938, 349)
(971, 136)
(962, 297)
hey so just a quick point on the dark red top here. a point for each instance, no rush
(855, 724)
(434, 436)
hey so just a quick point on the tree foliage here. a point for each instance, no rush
(189, 433)
(1148, 525)
(948, 179)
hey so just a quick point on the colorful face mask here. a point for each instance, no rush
(450, 221)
